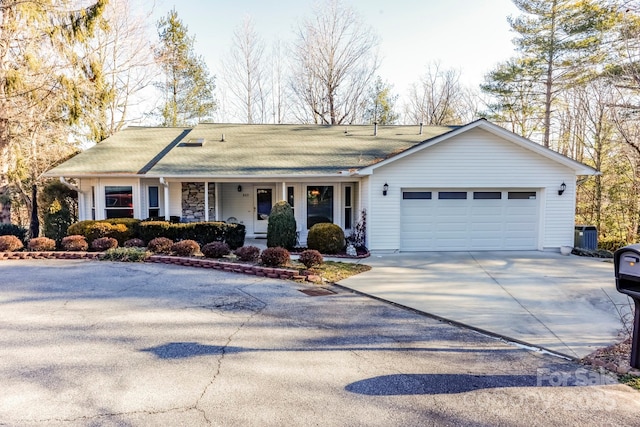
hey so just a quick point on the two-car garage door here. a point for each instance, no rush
(459, 220)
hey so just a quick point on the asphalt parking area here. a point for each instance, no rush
(100, 343)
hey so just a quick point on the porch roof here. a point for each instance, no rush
(240, 150)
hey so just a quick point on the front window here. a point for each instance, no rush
(118, 202)
(154, 202)
(348, 208)
(319, 204)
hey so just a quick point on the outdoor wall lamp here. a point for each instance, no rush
(563, 187)
(385, 188)
(239, 188)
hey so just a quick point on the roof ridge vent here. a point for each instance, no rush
(194, 142)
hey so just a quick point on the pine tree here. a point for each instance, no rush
(187, 87)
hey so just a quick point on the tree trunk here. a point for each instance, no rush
(34, 227)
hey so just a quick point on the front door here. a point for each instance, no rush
(262, 208)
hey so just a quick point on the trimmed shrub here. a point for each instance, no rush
(281, 228)
(215, 250)
(311, 258)
(75, 243)
(150, 230)
(102, 244)
(275, 257)
(134, 243)
(160, 245)
(131, 254)
(39, 244)
(326, 238)
(185, 248)
(234, 235)
(14, 230)
(247, 253)
(10, 243)
(121, 229)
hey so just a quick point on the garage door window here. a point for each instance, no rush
(452, 195)
(522, 195)
(416, 195)
(487, 195)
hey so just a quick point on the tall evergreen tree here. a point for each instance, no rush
(187, 87)
(48, 85)
(560, 45)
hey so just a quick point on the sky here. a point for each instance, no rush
(471, 36)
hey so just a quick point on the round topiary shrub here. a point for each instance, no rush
(102, 244)
(311, 258)
(215, 250)
(185, 248)
(75, 243)
(275, 257)
(247, 253)
(326, 238)
(160, 245)
(39, 244)
(281, 228)
(10, 243)
(134, 243)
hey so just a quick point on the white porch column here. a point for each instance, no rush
(165, 185)
(284, 191)
(217, 201)
(206, 200)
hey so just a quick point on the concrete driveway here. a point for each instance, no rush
(88, 343)
(567, 304)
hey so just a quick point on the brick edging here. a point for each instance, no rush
(49, 255)
(255, 270)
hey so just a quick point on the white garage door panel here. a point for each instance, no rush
(469, 224)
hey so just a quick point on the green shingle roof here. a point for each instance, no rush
(130, 151)
(219, 150)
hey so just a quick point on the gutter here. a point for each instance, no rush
(69, 185)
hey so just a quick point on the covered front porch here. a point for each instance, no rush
(249, 203)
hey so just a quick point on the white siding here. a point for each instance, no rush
(474, 159)
(237, 204)
(175, 199)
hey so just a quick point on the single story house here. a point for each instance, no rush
(423, 188)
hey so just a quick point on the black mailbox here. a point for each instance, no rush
(627, 269)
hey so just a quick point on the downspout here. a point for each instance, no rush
(165, 184)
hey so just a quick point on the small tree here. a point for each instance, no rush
(281, 230)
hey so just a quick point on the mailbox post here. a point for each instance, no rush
(627, 270)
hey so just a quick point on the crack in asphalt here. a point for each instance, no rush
(106, 415)
(223, 352)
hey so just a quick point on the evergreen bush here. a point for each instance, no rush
(326, 238)
(281, 228)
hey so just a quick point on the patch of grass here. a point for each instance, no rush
(631, 380)
(334, 271)
(126, 255)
